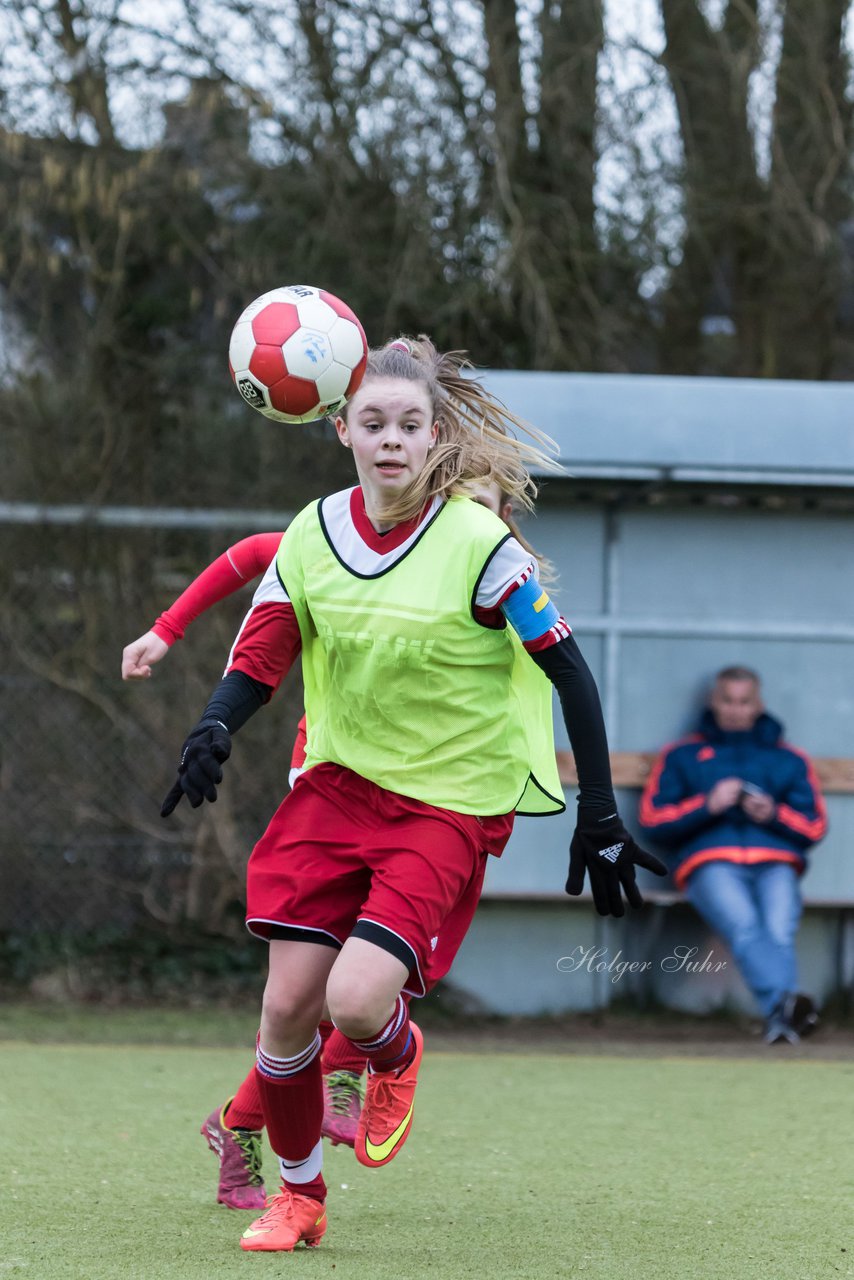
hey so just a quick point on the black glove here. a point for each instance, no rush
(208, 747)
(610, 855)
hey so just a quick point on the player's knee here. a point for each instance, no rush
(357, 1012)
(284, 1015)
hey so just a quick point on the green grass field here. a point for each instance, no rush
(521, 1164)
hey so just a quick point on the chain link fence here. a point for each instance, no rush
(86, 759)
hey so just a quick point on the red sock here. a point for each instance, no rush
(291, 1092)
(245, 1110)
(315, 1190)
(392, 1048)
(339, 1054)
(325, 1030)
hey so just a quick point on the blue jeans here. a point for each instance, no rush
(756, 910)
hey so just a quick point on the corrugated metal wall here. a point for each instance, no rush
(661, 592)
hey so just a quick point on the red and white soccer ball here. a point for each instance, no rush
(297, 354)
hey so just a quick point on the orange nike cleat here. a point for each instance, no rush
(289, 1219)
(386, 1118)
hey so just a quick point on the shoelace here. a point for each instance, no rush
(343, 1087)
(385, 1100)
(250, 1145)
(279, 1205)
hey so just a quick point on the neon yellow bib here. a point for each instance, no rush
(404, 687)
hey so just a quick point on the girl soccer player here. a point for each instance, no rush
(233, 1130)
(428, 726)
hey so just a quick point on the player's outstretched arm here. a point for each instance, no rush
(237, 566)
(601, 847)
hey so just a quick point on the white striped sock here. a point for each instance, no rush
(306, 1170)
(281, 1068)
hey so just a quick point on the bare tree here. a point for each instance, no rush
(762, 244)
(544, 158)
(810, 191)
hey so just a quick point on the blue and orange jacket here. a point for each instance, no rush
(673, 806)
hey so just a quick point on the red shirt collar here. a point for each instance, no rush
(381, 542)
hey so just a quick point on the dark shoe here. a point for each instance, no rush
(778, 1028)
(801, 1013)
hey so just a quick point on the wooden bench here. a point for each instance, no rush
(631, 769)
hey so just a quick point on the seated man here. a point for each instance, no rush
(740, 808)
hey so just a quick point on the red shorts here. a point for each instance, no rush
(344, 857)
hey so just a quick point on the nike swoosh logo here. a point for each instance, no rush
(250, 1232)
(383, 1149)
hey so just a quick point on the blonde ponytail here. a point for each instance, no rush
(477, 433)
